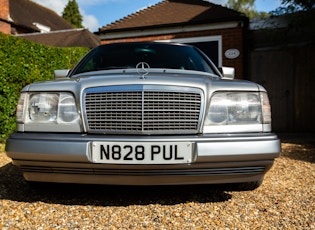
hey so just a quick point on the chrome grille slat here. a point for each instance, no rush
(145, 111)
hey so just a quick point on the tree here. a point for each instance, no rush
(72, 14)
(292, 6)
(246, 7)
(298, 5)
(300, 16)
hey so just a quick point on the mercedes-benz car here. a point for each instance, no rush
(144, 113)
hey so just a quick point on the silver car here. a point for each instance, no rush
(144, 113)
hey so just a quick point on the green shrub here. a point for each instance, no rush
(23, 62)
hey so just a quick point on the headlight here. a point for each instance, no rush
(239, 108)
(43, 107)
(67, 111)
(47, 108)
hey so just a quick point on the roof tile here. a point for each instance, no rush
(65, 38)
(172, 12)
(25, 13)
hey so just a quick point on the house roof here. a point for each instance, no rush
(175, 12)
(25, 13)
(65, 38)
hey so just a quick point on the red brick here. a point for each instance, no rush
(5, 27)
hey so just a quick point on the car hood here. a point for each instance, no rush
(207, 82)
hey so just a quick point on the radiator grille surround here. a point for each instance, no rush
(142, 109)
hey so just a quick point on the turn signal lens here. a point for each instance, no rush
(266, 110)
(20, 114)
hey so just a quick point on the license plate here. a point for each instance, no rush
(141, 153)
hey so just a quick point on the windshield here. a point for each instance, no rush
(157, 55)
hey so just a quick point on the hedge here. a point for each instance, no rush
(23, 62)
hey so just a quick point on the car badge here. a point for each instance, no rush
(143, 69)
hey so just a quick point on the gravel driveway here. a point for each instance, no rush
(286, 200)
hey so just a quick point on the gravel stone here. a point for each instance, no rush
(285, 200)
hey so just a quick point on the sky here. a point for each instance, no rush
(99, 13)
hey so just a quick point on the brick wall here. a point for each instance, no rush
(5, 27)
(231, 38)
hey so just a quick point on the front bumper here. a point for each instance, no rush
(66, 158)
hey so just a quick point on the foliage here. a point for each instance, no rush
(72, 14)
(242, 5)
(292, 6)
(246, 7)
(23, 62)
(300, 16)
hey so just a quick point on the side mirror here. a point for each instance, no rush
(62, 73)
(228, 72)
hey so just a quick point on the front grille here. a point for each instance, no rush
(143, 110)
